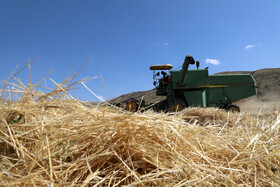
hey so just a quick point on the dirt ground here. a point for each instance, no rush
(254, 103)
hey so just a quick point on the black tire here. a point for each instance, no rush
(131, 106)
(180, 104)
(232, 108)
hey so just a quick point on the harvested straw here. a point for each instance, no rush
(53, 139)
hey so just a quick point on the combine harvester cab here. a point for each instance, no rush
(197, 89)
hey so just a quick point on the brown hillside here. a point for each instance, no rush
(149, 96)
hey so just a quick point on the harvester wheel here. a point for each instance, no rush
(131, 106)
(180, 104)
(232, 108)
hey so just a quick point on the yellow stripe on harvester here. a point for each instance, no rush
(214, 86)
(219, 86)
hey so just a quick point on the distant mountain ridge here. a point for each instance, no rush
(267, 80)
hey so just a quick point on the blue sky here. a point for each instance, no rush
(127, 36)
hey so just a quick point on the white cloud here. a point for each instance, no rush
(249, 46)
(162, 44)
(212, 61)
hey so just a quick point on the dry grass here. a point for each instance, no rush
(53, 139)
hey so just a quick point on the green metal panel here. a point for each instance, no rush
(230, 79)
(204, 98)
(217, 97)
(230, 94)
(196, 98)
(193, 79)
(225, 89)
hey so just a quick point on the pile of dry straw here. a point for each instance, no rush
(53, 139)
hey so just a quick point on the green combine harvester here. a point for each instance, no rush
(196, 88)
